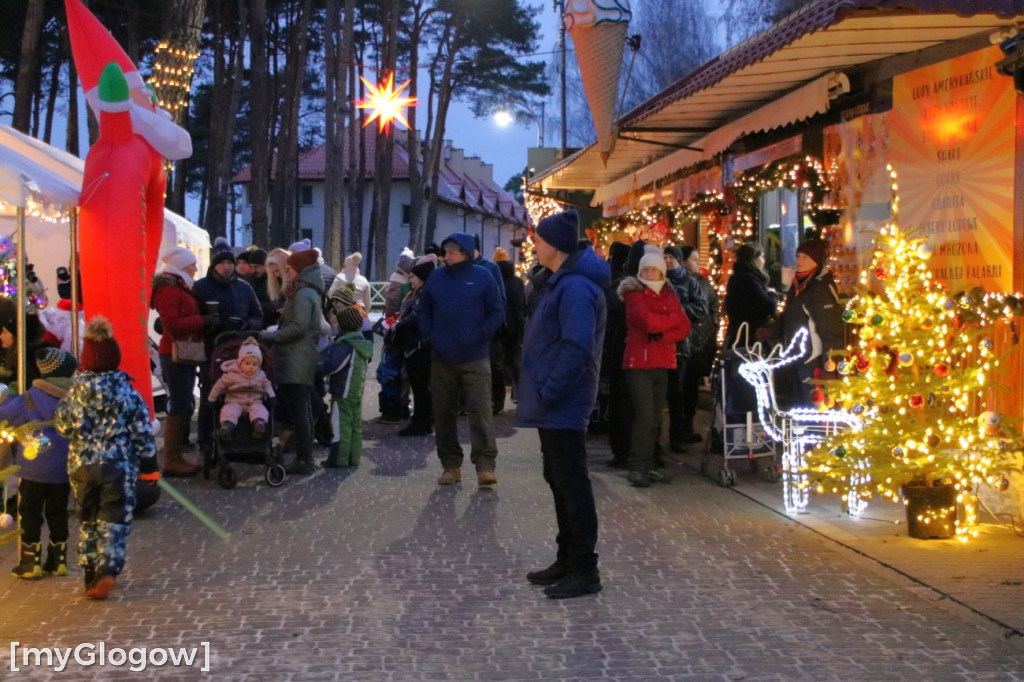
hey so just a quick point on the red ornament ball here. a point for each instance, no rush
(933, 441)
(863, 363)
(818, 396)
(917, 401)
(941, 369)
(880, 272)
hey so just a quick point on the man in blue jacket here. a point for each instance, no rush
(557, 391)
(460, 312)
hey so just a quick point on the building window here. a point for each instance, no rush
(307, 195)
(781, 232)
(406, 215)
(307, 234)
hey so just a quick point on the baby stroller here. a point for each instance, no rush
(243, 446)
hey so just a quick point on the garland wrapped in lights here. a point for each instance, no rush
(808, 177)
(172, 76)
(538, 207)
(919, 377)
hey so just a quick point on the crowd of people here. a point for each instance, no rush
(585, 344)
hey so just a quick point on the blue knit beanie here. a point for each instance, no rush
(560, 230)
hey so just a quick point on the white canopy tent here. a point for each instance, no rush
(47, 182)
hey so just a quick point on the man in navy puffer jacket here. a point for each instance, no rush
(557, 391)
(459, 314)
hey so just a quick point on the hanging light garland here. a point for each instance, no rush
(538, 207)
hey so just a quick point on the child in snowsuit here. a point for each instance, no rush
(106, 423)
(244, 386)
(44, 490)
(344, 363)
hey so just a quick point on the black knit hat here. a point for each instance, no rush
(349, 320)
(257, 256)
(674, 251)
(221, 256)
(814, 249)
(560, 230)
(424, 266)
(54, 362)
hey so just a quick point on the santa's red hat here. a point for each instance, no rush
(93, 48)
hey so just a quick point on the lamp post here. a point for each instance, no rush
(522, 112)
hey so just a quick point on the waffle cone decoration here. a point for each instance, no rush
(598, 30)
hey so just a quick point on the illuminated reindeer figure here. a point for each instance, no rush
(797, 429)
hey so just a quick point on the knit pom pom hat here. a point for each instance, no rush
(54, 362)
(100, 351)
(349, 320)
(250, 348)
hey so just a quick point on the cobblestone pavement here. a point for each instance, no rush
(378, 574)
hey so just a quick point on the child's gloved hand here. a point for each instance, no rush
(150, 478)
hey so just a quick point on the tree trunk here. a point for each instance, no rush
(71, 139)
(51, 100)
(352, 188)
(28, 66)
(413, 140)
(284, 212)
(385, 148)
(444, 97)
(260, 103)
(224, 102)
(181, 22)
(334, 120)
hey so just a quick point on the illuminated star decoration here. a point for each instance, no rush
(385, 103)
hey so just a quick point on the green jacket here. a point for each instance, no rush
(294, 341)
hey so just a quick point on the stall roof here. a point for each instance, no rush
(824, 36)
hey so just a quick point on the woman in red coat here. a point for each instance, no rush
(654, 323)
(179, 316)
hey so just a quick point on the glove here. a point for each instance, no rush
(151, 478)
(657, 336)
(271, 403)
(210, 320)
(236, 323)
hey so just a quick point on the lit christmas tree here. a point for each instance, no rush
(920, 379)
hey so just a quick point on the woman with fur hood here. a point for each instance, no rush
(655, 322)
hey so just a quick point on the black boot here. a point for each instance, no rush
(303, 466)
(575, 585)
(56, 559)
(226, 431)
(547, 576)
(29, 567)
(333, 451)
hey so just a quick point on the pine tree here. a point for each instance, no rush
(920, 378)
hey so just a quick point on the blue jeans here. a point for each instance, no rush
(180, 381)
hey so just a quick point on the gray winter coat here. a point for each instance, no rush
(294, 341)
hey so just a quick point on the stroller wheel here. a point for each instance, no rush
(274, 475)
(227, 478)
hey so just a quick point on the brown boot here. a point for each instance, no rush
(175, 464)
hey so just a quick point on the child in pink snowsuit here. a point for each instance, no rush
(244, 387)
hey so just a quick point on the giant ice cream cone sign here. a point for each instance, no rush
(598, 30)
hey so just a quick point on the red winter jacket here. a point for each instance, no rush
(649, 313)
(178, 311)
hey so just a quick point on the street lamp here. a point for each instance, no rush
(504, 118)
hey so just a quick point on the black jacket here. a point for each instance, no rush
(693, 300)
(816, 307)
(748, 299)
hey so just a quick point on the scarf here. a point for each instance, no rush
(171, 270)
(801, 279)
(654, 286)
